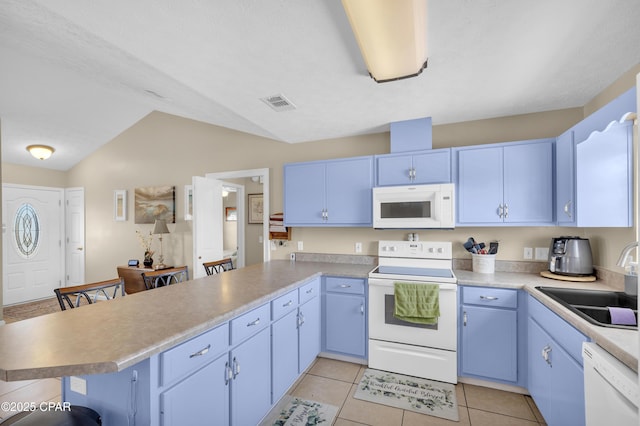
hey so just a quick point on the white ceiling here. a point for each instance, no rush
(75, 74)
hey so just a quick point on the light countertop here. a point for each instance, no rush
(110, 336)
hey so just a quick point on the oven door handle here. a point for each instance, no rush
(388, 283)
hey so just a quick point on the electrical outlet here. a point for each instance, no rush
(300, 246)
(528, 253)
(78, 385)
(542, 253)
(358, 247)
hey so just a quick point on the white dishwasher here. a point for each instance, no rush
(610, 388)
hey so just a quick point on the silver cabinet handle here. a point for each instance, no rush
(200, 352)
(309, 291)
(254, 322)
(566, 210)
(362, 308)
(489, 297)
(228, 374)
(300, 319)
(506, 211)
(289, 303)
(500, 211)
(236, 368)
(345, 286)
(546, 354)
(464, 318)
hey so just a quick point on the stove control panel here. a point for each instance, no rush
(416, 249)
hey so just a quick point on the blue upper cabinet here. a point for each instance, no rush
(565, 179)
(604, 187)
(510, 184)
(329, 193)
(433, 166)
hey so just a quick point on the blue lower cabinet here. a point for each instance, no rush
(284, 352)
(251, 385)
(345, 317)
(556, 381)
(308, 333)
(202, 398)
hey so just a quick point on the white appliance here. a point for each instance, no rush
(414, 207)
(426, 351)
(610, 388)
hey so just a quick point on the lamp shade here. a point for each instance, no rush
(160, 227)
(41, 152)
(392, 36)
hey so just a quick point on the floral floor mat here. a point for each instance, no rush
(409, 393)
(292, 411)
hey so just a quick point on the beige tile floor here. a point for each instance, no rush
(334, 382)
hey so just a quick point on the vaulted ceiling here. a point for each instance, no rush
(76, 74)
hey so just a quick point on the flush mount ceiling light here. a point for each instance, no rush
(392, 36)
(41, 152)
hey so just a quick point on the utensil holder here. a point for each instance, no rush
(484, 263)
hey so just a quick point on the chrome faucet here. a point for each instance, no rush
(624, 256)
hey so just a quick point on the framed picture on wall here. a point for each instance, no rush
(120, 205)
(155, 202)
(256, 212)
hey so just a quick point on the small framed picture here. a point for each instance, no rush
(188, 202)
(120, 205)
(230, 214)
(256, 213)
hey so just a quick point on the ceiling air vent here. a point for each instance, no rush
(278, 103)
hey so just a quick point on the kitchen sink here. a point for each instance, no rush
(592, 304)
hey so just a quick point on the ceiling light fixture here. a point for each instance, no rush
(392, 36)
(41, 152)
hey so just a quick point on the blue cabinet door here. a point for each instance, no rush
(349, 189)
(604, 171)
(284, 351)
(432, 167)
(202, 398)
(528, 183)
(309, 333)
(479, 188)
(304, 193)
(394, 169)
(565, 180)
(344, 326)
(489, 342)
(251, 385)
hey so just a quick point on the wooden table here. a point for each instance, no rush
(132, 275)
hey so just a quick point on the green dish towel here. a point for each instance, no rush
(417, 303)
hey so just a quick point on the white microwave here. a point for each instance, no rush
(414, 207)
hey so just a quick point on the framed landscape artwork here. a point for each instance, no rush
(120, 204)
(256, 212)
(155, 202)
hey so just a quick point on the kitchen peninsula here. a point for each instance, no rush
(144, 343)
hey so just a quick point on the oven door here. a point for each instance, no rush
(384, 326)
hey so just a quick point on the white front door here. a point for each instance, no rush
(207, 223)
(33, 257)
(74, 217)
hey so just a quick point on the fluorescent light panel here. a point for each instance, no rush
(392, 36)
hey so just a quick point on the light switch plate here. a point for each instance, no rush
(527, 253)
(300, 246)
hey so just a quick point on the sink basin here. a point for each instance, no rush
(592, 304)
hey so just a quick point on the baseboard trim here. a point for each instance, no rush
(493, 385)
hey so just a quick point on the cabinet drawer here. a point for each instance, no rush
(284, 304)
(250, 323)
(344, 285)
(309, 291)
(486, 296)
(192, 354)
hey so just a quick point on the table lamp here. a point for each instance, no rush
(160, 227)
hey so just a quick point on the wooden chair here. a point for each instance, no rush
(218, 266)
(162, 277)
(90, 292)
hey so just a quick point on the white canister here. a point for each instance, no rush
(484, 263)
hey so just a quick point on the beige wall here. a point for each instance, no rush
(167, 150)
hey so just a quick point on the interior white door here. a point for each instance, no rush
(207, 222)
(74, 219)
(33, 258)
